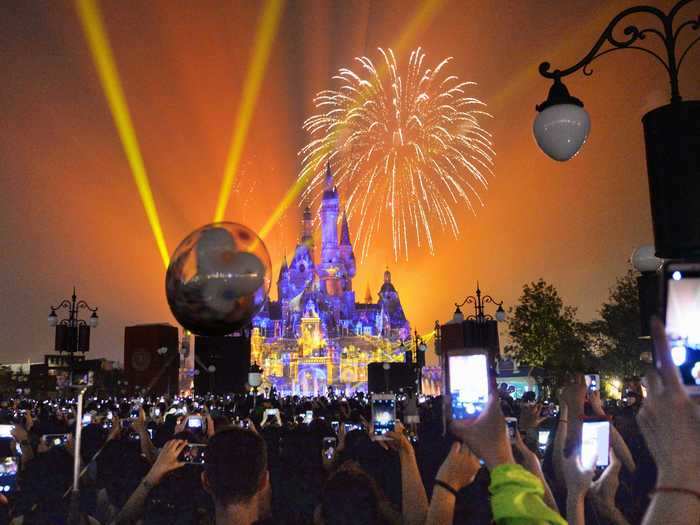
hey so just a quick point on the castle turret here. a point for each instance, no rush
(307, 236)
(347, 256)
(329, 264)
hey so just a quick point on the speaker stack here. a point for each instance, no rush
(221, 363)
(151, 358)
(390, 377)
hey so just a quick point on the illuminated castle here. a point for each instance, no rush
(316, 335)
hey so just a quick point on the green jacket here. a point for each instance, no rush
(517, 498)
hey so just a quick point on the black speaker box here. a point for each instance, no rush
(395, 377)
(144, 367)
(230, 358)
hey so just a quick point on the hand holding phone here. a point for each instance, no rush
(193, 454)
(512, 425)
(329, 445)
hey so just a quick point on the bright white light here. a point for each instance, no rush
(678, 354)
(676, 275)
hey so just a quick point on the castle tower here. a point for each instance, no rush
(328, 267)
(347, 256)
(307, 236)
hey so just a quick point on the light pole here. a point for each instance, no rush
(671, 132)
(478, 301)
(72, 333)
(421, 348)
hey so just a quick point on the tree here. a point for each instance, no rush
(545, 333)
(616, 335)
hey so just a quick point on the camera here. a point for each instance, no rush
(512, 425)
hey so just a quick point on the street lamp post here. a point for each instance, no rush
(671, 132)
(255, 380)
(72, 333)
(421, 348)
(478, 301)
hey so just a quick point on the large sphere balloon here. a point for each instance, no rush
(218, 279)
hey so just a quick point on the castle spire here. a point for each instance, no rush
(307, 235)
(345, 231)
(329, 176)
(368, 295)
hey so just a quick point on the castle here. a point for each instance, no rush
(316, 335)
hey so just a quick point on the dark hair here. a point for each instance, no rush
(236, 461)
(351, 497)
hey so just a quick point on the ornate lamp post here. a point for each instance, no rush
(561, 127)
(72, 333)
(478, 301)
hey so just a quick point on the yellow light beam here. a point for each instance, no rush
(93, 27)
(267, 29)
(421, 18)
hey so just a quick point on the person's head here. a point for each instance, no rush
(235, 469)
(350, 497)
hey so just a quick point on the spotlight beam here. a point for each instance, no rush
(101, 51)
(421, 18)
(267, 29)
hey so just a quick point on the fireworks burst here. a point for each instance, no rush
(412, 146)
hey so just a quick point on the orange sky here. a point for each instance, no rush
(71, 214)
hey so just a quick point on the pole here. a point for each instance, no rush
(74, 510)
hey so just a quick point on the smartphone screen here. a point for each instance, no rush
(87, 419)
(335, 425)
(349, 427)
(595, 441)
(329, 444)
(195, 422)
(542, 439)
(469, 385)
(55, 440)
(8, 474)
(383, 413)
(6, 431)
(193, 453)
(512, 424)
(592, 382)
(308, 417)
(683, 321)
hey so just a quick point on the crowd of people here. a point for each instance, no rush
(243, 460)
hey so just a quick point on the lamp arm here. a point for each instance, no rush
(84, 305)
(63, 304)
(633, 33)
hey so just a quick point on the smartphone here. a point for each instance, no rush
(335, 425)
(55, 440)
(82, 379)
(329, 444)
(308, 417)
(512, 425)
(543, 439)
(468, 383)
(87, 419)
(193, 453)
(383, 413)
(195, 423)
(271, 412)
(681, 302)
(595, 442)
(6, 431)
(8, 474)
(156, 412)
(592, 382)
(349, 427)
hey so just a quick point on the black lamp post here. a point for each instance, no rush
(72, 333)
(478, 301)
(671, 132)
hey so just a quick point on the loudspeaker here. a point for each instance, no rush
(390, 377)
(648, 290)
(221, 363)
(144, 366)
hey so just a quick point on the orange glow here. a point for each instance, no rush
(71, 215)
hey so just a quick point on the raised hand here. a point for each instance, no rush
(577, 476)
(166, 462)
(530, 416)
(398, 440)
(669, 420)
(487, 436)
(459, 468)
(596, 403)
